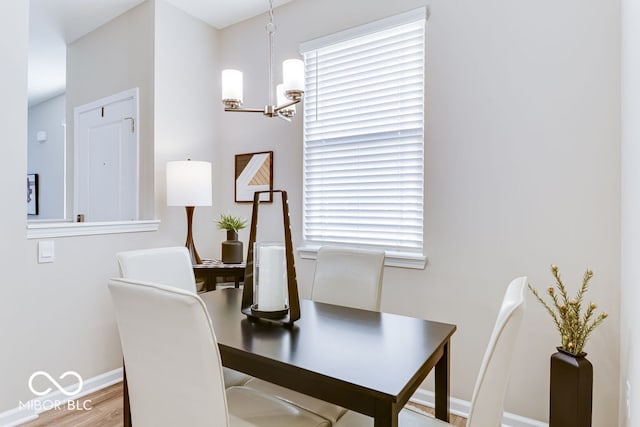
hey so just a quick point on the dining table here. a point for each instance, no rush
(365, 361)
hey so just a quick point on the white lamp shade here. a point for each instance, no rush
(232, 84)
(282, 99)
(293, 74)
(189, 183)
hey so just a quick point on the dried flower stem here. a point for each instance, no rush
(574, 328)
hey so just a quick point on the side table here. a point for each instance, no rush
(211, 269)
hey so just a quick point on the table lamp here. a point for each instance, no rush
(189, 185)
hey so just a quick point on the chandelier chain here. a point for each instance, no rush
(271, 29)
(271, 12)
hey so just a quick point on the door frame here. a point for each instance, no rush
(103, 102)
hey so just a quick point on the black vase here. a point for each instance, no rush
(571, 390)
(232, 248)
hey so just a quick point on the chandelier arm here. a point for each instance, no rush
(244, 110)
(288, 104)
(286, 119)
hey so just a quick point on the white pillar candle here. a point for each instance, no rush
(272, 277)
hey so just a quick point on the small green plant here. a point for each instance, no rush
(231, 222)
(574, 327)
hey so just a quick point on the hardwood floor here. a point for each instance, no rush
(454, 421)
(106, 411)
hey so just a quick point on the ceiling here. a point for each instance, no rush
(55, 23)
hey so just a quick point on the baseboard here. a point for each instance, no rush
(20, 415)
(29, 411)
(461, 408)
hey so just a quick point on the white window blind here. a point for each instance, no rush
(364, 136)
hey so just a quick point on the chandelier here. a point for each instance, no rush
(288, 93)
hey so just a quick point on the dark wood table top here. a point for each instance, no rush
(340, 349)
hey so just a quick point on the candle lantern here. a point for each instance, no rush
(270, 286)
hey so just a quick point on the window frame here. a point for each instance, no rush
(412, 258)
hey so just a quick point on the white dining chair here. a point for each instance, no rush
(169, 266)
(349, 277)
(174, 370)
(487, 402)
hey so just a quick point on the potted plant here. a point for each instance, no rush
(571, 385)
(232, 247)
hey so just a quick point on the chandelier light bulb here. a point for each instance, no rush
(293, 75)
(232, 86)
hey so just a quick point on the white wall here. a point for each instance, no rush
(14, 17)
(630, 292)
(522, 168)
(115, 57)
(186, 114)
(47, 158)
(58, 317)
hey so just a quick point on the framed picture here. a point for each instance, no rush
(254, 172)
(32, 194)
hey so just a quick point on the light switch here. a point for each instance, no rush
(46, 251)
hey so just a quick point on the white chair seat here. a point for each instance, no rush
(234, 378)
(248, 407)
(407, 418)
(326, 410)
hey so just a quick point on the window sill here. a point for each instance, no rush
(38, 230)
(391, 258)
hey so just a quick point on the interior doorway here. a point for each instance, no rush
(106, 159)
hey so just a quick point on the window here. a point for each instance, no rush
(364, 139)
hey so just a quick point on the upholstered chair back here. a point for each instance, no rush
(174, 371)
(169, 266)
(487, 403)
(349, 277)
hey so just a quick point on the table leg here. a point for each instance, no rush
(210, 280)
(442, 385)
(386, 416)
(125, 399)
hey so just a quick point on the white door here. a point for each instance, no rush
(106, 158)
